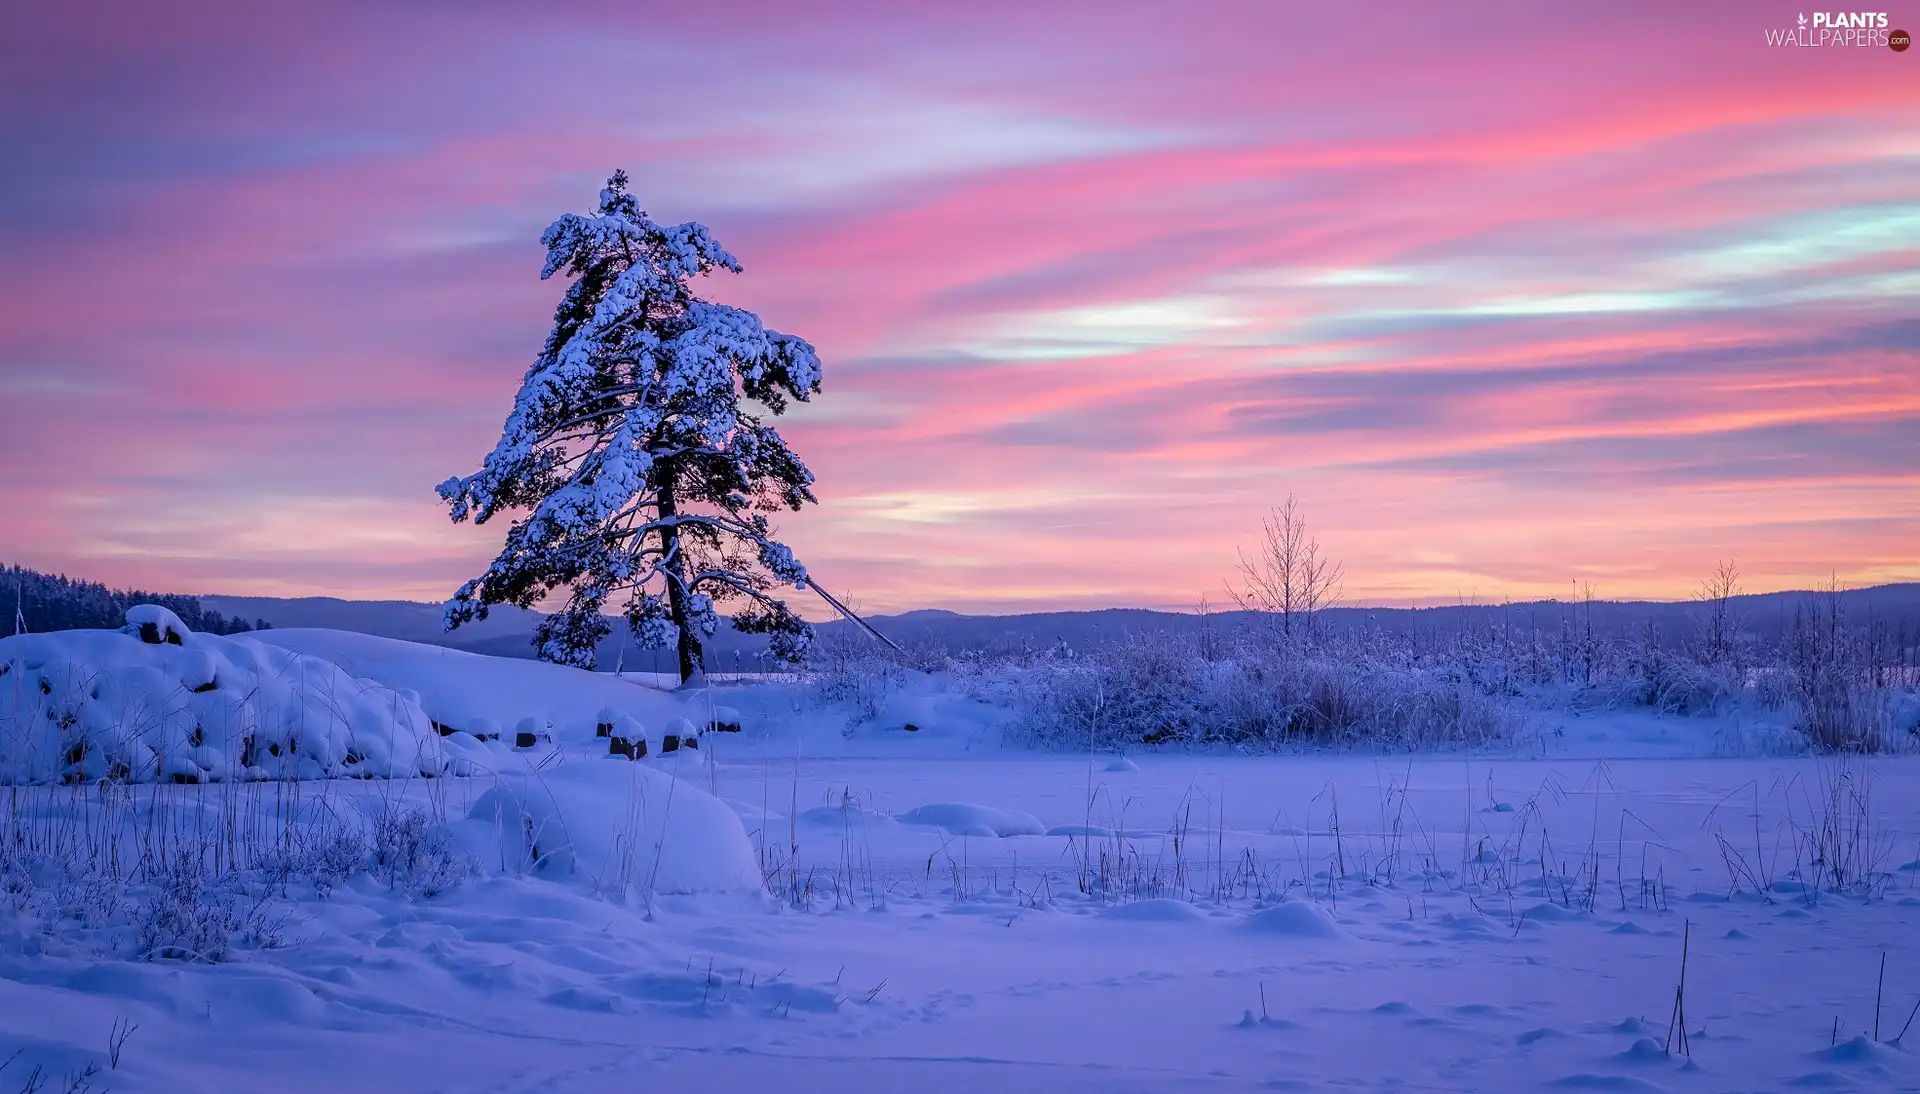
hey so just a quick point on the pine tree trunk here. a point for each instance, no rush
(691, 660)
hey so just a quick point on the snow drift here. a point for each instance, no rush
(967, 819)
(475, 693)
(619, 826)
(156, 701)
(1296, 919)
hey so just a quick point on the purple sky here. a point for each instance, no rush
(1510, 295)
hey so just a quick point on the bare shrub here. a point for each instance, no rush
(1719, 624)
(855, 671)
(1663, 679)
(187, 918)
(1839, 704)
(333, 858)
(1288, 577)
(415, 853)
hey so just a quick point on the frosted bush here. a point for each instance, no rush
(325, 859)
(186, 917)
(855, 673)
(1163, 691)
(1829, 685)
(1667, 684)
(415, 853)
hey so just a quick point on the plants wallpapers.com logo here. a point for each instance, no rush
(1844, 29)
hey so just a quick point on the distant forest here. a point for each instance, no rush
(55, 602)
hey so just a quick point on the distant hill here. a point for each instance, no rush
(402, 619)
(1766, 616)
(508, 632)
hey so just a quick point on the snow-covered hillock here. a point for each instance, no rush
(156, 701)
(475, 693)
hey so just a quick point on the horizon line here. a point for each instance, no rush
(1422, 604)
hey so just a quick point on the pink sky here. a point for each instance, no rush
(1511, 295)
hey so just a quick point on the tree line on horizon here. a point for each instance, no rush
(38, 602)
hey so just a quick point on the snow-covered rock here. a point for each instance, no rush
(158, 702)
(530, 732)
(156, 625)
(605, 720)
(679, 733)
(627, 737)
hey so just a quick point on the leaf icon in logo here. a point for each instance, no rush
(1803, 18)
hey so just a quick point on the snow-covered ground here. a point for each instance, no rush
(943, 913)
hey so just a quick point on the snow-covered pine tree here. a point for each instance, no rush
(635, 452)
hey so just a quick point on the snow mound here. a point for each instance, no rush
(459, 690)
(846, 816)
(1549, 912)
(1123, 764)
(1295, 919)
(621, 827)
(962, 819)
(1861, 1049)
(1644, 1050)
(157, 702)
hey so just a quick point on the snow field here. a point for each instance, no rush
(1440, 924)
(1395, 930)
